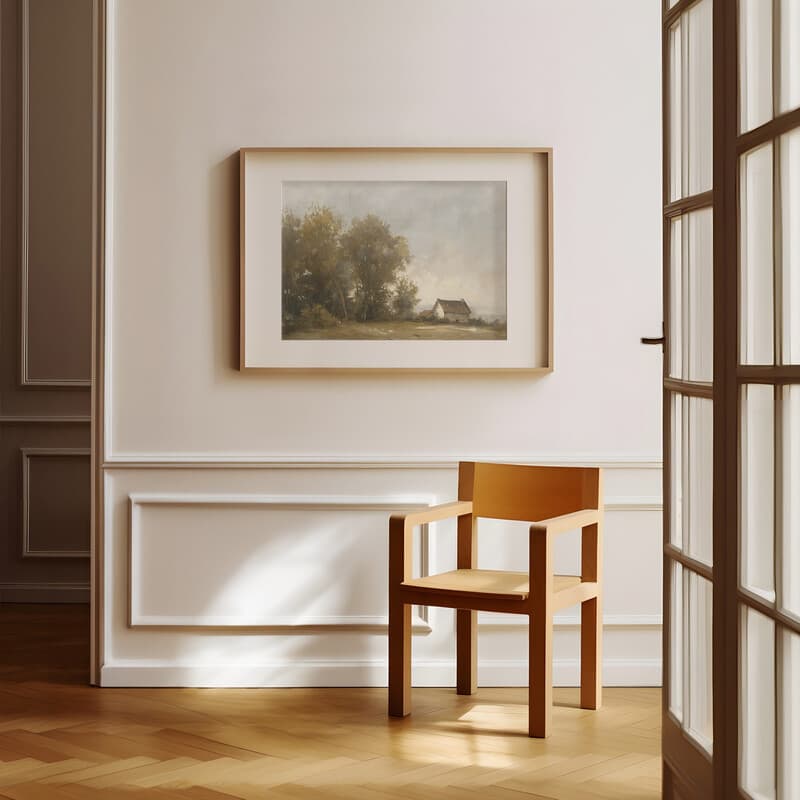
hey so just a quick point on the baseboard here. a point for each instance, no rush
(44, 593)
(616, 672)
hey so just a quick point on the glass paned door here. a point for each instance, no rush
(768, 385)
(731, 72)
(688, 397)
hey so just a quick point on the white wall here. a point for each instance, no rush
(191, 82)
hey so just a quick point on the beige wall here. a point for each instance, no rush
(45, 294)
(229, 473)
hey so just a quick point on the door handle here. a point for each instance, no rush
(654, 339)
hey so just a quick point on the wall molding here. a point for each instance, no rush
(367, 462)
(643, 503)
(420, 623)
(26, 380)
(367, 672)
(279, 624)
(44, 592)
(27, 453)
(281, 502)
(388, 503)
(16, 419)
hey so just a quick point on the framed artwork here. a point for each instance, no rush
(396, 259)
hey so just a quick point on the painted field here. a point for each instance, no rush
(394, 329)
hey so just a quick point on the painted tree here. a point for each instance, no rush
(293, 288)
(332, 274)
(377, 258)
(405, 297)
(314, 272)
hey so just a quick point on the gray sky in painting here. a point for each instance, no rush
(456, 231)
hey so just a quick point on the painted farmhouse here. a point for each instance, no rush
(452, 310)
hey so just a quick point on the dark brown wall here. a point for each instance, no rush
(45, 298)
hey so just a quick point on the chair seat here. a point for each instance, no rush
(499, 585)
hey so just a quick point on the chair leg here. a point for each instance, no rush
(399, 659)
(540, 673)
(466, 652)
(591, 653)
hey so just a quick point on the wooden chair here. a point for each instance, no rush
(555, 500)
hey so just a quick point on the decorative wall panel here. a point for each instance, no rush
(45, 298)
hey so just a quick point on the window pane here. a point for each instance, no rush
(676, 113)
(699, 124)
(691, 296)
(701, 296)
(691, 480)
(700, 722)
(676, 641)
(757, 257)
(791, 500)
(700, 479)
(755, 63)
(790, 240)
(789, 56)
(758, 482)
(789, 720)
(676, 290)
(757, 765)
(678, 433)
(690, 85)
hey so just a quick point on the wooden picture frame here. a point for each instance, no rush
(467, 238)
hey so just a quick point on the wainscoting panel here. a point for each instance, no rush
(55, 502)
(273, 571)
(44, 506)
(270, 575)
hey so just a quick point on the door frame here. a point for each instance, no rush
(99, 188)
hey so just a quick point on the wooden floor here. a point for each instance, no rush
(62, 740)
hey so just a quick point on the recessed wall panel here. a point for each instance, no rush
(56, 487)
(251, 561)
(56, 193)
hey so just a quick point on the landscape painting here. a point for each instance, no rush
(387, 260)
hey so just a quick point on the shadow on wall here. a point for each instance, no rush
(223, 261)
(310, 569)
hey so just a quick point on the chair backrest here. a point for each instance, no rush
(528, 493)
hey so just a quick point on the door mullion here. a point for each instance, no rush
(726, 400)
(693, 202)
(703, 570)
(690, 389)
(768, 610)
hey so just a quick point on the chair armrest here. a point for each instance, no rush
(540, 552)
(567, 522)
(460, 508)
(401, 527)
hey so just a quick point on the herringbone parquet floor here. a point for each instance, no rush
(62, 740)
